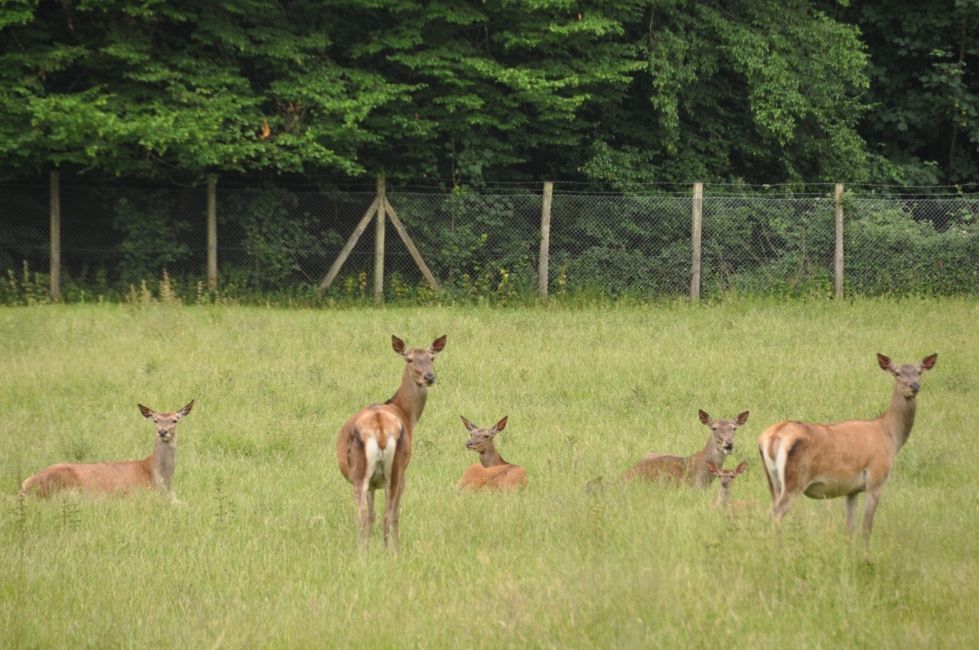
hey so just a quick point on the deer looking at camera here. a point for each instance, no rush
(825, 461)
(492, 472)
(374, 446)
(155, 471)
(691, 470)
(726, 478)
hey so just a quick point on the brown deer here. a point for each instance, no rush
(691, 469)
(726, 478)
(374, 446)
(825, 461)
(492, 472)
(155, 471)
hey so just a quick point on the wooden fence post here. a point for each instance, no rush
(695, 230)
(410, 245)
(545, 241)
(212, 234)
(838, 253)
(379, 244)
(55, 253)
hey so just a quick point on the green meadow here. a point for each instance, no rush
(262, 553)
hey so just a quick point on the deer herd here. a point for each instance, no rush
(822, 461)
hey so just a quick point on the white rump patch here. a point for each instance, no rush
(379, 461)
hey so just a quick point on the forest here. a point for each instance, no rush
(624, 97)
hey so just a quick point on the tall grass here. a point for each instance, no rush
(263, 553)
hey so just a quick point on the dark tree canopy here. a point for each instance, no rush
(618, 93)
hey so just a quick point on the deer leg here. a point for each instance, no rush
(370, 512)
(360, 492)
(781, 505)
(768, 475)
(391, 514)
(395, 489)
(873, 497)
(851, 506)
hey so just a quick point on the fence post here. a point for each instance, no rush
(212, 234)
(545, 241)
(838, 254)
(379, 244)
(55, 253)
(695, 235)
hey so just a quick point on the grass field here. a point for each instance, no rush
(263, 553)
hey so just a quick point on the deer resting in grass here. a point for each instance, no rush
(726, 478)
(155, 471)
(825, 461)
(374, 446)
(492, 472)
(691, 470)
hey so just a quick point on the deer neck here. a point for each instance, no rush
(410, 398)
(490, 458)
(163, 459)
(697, 465)
(899, 418)
(721, 499)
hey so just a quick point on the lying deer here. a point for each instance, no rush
(691, 469)
(374, 446)
(492, 472)
(155, 471)
(726, 478)
(825, 461)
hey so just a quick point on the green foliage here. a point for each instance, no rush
(152, 229)
(276, 237)
(895, 252)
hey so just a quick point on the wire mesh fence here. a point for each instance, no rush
(274, 243)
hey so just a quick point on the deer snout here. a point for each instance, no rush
(429, 378)
(915, 387)
(728, 446)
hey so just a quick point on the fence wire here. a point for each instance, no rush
(277, 242)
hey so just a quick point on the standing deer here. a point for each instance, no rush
(492, 472)
(374, 446)
(825, 461)
(726, 477)
(155, 471)
(691, 469)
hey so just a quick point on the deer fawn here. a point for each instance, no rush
(374, 446)
(825, 461)
(155, 471)
(492, 472)
(726, 477)
(691, 469)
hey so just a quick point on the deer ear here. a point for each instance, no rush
(439, 343)
(397, 344)
(501, 425)
(740, 468)
(185, 410)
(712, 468)
(146, 411)
(885, 362)
(929, 362)
(742, 418)
(702, 414)
(469, 425)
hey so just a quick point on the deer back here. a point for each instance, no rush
(497, 477)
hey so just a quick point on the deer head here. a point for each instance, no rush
(726, 476)
(166, 423)
(419, 359)
(481, 440)
(722, 431)
(907, 376)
